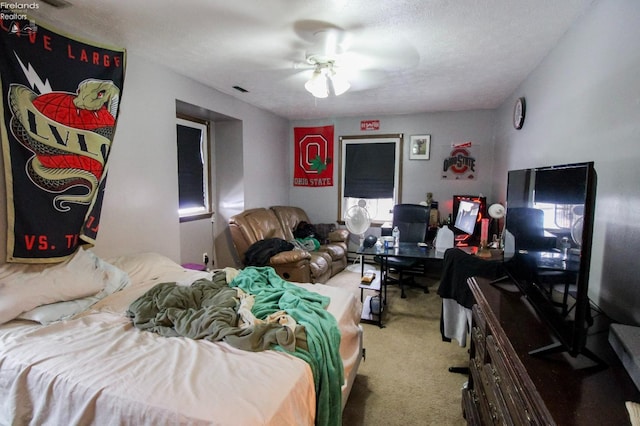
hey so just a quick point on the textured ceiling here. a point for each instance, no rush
(406, 56)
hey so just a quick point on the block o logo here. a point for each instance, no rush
(459, 166)
(313, 150)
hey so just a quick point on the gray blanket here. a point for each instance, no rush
(208, 309)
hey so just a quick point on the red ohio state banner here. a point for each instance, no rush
(59, 101)
(313, 156)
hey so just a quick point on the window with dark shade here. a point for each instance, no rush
(370, 170)
(191, 175)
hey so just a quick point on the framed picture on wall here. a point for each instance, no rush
(419, 147)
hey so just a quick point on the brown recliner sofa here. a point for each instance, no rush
(297, 265)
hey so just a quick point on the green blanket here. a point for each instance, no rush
(323, 336)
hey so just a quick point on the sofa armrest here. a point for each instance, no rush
(290, 256)
(293, 265)
(339, 235)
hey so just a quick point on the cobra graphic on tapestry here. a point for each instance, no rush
(60, 101)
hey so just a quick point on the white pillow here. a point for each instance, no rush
(114, 279)
(149, 266)
(145, 266)
(23, 287)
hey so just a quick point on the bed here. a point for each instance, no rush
(81, 361)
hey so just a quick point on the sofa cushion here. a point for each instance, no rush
(289, 217)
(251, 226)
(264, 224)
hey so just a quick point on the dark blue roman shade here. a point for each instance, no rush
(369, 170)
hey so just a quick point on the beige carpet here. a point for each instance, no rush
(404, 379)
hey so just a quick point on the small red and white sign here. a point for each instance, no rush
(461, 144)
(370, 125)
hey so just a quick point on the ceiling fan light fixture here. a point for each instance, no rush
(317, 84)
(339, 83)
(326, 81)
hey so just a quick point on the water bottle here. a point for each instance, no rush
(396, 236)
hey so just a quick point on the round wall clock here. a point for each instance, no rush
(518, 113)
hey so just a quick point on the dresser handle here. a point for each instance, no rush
(494, 414)
(495, 374)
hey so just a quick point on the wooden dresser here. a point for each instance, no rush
(508, 386)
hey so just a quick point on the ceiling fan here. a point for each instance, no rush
(326, 79)
(341, 59)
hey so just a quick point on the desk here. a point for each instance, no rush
(406, 250)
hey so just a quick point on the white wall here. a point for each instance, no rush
(583, 104)
(133, 226)
(230, 187)
(418, 176)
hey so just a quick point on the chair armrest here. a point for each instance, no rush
(290, 256)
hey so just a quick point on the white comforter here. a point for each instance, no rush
(98, 369)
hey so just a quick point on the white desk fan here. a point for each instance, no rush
(357, 221)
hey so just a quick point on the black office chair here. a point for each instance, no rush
(412, 221)
(527, 226)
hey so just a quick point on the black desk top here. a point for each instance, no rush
(409, 250)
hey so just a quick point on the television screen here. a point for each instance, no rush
(550, 216)
(467, 216)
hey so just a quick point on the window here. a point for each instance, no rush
(370, 170)
(560, 216)
(193, 168)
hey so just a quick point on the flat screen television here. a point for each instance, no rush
(468, 210)
(550, 215)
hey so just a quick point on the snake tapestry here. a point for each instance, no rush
(60, 101)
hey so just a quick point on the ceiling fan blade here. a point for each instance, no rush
(365, 79)
(383, 52)
(363, 56)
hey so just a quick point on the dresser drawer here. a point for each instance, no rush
(479, 319)
(470, 407)
(478, 344)
(478, 333)
(498, 411)
(480, 389)
(514, 399)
